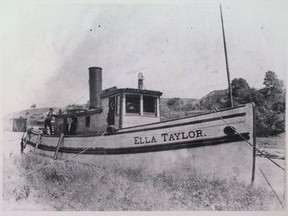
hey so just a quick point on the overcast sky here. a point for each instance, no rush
(178, 47)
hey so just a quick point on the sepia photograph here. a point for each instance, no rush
(143, 106)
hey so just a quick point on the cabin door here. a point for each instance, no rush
(111, 112)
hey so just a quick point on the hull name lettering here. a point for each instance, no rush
(168, 137)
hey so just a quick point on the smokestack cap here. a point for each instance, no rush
(91, 68)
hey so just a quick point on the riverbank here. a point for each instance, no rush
(77, 186)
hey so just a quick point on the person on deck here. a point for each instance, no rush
(64, 127)
(47, 122)
(74, 125)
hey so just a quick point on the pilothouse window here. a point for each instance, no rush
(149, 104)
(132, 103)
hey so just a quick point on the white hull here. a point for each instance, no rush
(202, 142)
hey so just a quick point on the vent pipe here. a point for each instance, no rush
(140, 81)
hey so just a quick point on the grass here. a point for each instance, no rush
(277, 142)
(272, 147)
(78, 186)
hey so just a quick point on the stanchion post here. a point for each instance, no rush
(254, 146)
(60, 141)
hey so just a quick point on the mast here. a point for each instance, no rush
(226, 59)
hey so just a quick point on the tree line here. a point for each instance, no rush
(269, 100)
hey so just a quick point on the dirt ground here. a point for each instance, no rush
(11, 177)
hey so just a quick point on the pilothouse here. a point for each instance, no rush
(113, 108)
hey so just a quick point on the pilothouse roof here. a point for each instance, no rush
(114, 90)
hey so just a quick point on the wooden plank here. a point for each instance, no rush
(60, 141)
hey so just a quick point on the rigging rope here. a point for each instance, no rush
(272, 188)
(261, 154)
(67, 159)
(74, 103)
(212, 110)
(249, 142)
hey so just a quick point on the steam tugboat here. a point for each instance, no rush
(126, 121)
(123, 125)
(129, 121)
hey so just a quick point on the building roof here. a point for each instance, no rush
(114, 90)
(79, 113)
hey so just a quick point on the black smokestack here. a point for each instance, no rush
(95, 85)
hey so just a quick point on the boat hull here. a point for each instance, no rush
(205, 143)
